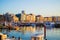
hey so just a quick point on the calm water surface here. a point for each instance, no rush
(51, 34)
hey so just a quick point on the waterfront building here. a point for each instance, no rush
(45, 19)
(59, 18)
(30, 18)
(23, 17)
(53, 18)
(56, 18)
(15, 19)
(27, 17)
(39, 18)
(2, 19)
(50, 19)
(8, 17)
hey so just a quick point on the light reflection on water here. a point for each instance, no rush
(52, 34)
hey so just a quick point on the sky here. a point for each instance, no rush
(37, 7)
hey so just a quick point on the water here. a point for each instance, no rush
(51, 34)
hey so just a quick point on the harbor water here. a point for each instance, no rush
(51, 34)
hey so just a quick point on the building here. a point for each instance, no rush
(8, 17)
(39, 18)
(47, 19)
(56, 18)
(27, 17)
(50, 19)
(23, 17)
(2, 19)
(30, 18)
(15, 19)
(59, 18)
(53, 18)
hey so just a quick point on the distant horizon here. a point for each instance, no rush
(37, 7)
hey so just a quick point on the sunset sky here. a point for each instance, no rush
(38, 7)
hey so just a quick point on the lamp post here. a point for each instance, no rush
(45, 32)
